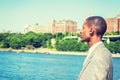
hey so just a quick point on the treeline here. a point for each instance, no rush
(33, 40)
(71, 45)
(114, 47)
(18, 40)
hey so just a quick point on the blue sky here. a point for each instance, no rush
(15, 14)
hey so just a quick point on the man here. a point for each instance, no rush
(98, 64)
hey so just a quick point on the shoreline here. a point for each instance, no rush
(51, 51)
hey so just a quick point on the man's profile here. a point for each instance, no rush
(98, 63)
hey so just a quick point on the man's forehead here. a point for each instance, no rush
(85, 23)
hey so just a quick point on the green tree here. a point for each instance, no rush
(3, 40)
(84, 47)
(59, 35)
(14, 40)
(114, 47)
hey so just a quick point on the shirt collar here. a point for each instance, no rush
(93, 47)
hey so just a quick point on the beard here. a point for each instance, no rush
(87, 39)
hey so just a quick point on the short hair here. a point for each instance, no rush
(99, 23)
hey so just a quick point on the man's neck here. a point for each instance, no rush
(94, 40)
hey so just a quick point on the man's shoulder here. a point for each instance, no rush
(101, 50)
(101, 47)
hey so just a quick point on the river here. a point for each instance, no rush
(34, 66)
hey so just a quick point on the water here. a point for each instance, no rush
(29, 66)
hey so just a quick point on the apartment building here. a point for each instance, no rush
(54, 27)
(113, 24)
(64, 26)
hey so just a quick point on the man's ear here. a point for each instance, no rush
(92, 30)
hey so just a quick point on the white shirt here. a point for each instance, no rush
(91, 49)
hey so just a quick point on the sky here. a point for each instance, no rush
(16, 14)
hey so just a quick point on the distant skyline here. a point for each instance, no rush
(16, 14)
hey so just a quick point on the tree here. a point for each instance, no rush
(3, 40)
(114, 47)
(84, 47)
(59, 35)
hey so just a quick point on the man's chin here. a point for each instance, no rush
(84, 40)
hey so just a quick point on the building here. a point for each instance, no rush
(118, 18)
(64, 26)
(54, 27)
(113, 24)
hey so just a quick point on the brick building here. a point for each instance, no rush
(54, 27)
(113, 24)
(64, 26)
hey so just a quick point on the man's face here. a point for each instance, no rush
(85, 33)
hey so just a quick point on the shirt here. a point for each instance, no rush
(91, 49)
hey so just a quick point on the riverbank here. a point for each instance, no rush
(50, 51)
